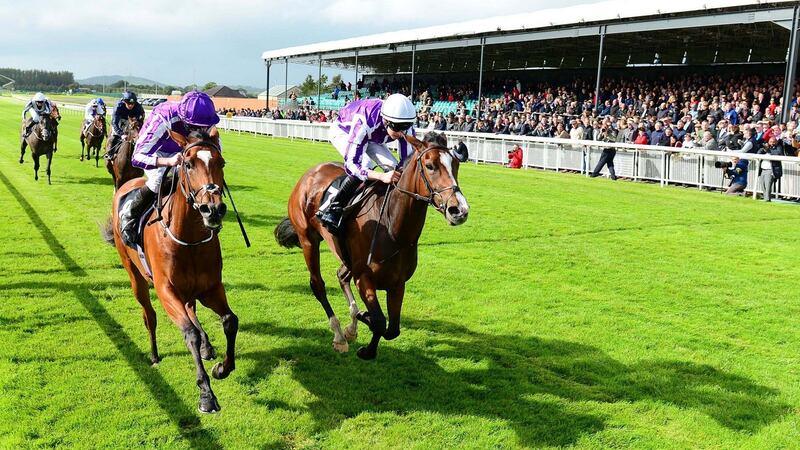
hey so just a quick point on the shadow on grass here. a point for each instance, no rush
(263, 220)
(521, 380)
(99, 180)
(168, 400)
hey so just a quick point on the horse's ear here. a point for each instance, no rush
(214, 134)
(178, 138)
(416, 143)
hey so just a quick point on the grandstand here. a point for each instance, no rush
(591, 40)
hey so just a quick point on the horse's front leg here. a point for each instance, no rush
(218, 302)
(83, 145)
(49, 162)
(22, 150)
(35, 166)
(97, 153)
(206, 349)
(394, 303)
(374, 317)
(176, 308)
(351, 331)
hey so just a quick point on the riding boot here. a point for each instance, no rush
(131, 212)
(332, 216)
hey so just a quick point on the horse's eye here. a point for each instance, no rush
(429, 166)
(187, 165)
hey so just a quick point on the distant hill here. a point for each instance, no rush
(111, 79)
(252, 90)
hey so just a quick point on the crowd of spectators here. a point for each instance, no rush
(730, 112)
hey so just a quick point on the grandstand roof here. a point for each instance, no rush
(639, 27)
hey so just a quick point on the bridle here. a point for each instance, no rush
(41, 126)
(191, 195)
(186, 189)
(430, 199)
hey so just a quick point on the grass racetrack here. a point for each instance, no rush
(566, 312)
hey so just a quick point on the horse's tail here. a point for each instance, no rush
(286, 235)
(107, 231)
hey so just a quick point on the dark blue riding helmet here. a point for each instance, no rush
(129, 96)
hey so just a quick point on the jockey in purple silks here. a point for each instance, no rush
(360, 134)
(155, 150)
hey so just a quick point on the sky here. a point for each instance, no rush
(182, 42)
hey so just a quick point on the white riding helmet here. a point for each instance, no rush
(398, 109)
(39, 97)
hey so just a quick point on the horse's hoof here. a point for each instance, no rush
(208, 404)
(21, 161)
(208, 353)
(391, 334)
(154, 360)
(341, 347)
(365, 353)
(351, 333)
(218, 372)
(81, 158)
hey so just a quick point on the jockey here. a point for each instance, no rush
(360, 134)
(127, 108)
(38, 106)
(156, 151)
(95, 107)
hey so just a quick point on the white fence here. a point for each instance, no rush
(690, 167)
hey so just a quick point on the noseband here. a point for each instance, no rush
(430, 199)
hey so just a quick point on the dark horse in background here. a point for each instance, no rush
(429, 178)
(92, 139)
(183, 253)
(42, 141)
(120, 166)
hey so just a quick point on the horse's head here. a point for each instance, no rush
(132, 129)
(47, 127)
(201, 175)
(437, 179)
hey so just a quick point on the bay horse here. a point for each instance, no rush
(183, 254)
(92, 139)
(429, 178)
(120, 166)
(42, 140)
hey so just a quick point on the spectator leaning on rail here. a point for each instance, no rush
(126, 109)
(155, 150)
(769, 172)
(360, 135)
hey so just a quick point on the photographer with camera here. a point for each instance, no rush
(736, 171)
(515, 157)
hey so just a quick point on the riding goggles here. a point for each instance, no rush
(398, 126)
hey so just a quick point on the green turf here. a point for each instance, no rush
(566, 312)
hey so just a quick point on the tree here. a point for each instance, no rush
(309, 86)
(209, 85)
(336, 81)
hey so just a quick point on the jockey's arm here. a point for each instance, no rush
(25, 111)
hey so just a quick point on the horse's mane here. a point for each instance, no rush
(437, 139)
(200, 135)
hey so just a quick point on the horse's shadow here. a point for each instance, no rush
(526, 382)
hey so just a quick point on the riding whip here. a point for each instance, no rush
(239, 219)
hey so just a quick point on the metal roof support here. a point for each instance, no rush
(599, 66)
(413, 61)
(319, 83)
(286, 83)
(480, 82)
(268, 64)
(356, 83)
(791, 66)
